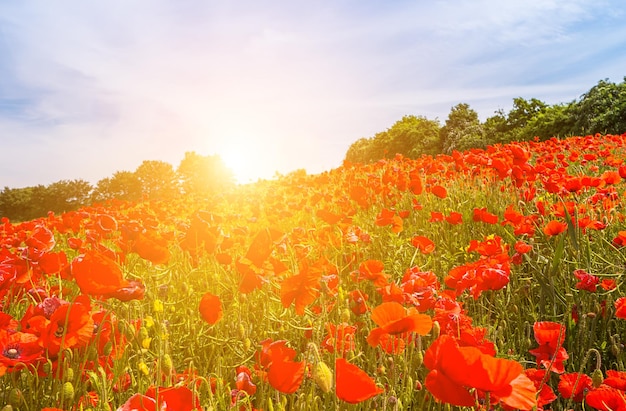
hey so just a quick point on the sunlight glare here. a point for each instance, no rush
(244, 157)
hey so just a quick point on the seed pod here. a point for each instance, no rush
(323, 376)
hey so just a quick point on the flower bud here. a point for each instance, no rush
(323, 376)
(68, 392)
(597, 378)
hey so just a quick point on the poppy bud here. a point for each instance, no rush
(166, 364)
(68, 375)
(16, 398)
(6, 408)
(597, 378)
(323, 376)
(247, 344)
(345, 315)
(270, 404)
(68, 392)
(436, 330)
(242, 331)
(419, 359)
(615, 349)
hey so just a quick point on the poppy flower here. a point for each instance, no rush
(243, 381)
(282, 372)
(554, 227)
(70, 326)
(454, 370)
(18, 349)
(177, 398)
(586, 281)
(211, 308)
(301, 289)
(550, 353)
(606, 398)
(339, 338)
(392, 320)
(574, 385)
(372, 270)
(620, 307)
(423, 244)
(352, 384)
(454, 218)
(439, 191)
(98, 275)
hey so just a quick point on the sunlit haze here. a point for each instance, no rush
(91, 88)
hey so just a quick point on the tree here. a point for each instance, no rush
(203, 174)
(123, 185)
(462, 130)
(602, 109)
(158, 179)
(411, 136)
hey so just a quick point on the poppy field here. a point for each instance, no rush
(485, 279)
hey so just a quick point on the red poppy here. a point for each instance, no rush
(423, 244)
(339, 338)
(178, 398)
(605, 398)
(481, 214)
(372, 270)
(352, 384)
(620, 307)
(439, 191)
(586, 281)
(243, 381)
(18, 350)
(283, 373)
(454, 218)
(392, 320)
(550, 353)
(574, 385)
(211, 308)
(454, 370)
(70, 326)
(301, 289)
(554, 227)
(98, 275)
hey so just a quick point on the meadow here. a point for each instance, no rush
(486, 279)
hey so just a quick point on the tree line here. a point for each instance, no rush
(196, 175)
(602, 109)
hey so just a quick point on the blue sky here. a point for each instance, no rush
(90, 88)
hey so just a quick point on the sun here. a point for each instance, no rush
(245, 158)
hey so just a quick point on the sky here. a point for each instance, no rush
(91, 88)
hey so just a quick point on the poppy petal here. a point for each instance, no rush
(353, 385)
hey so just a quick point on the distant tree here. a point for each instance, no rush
(158, 179)
(66, 195)
(411, 136)
(462, 130)
(554, 121)
(602, 109)
(203, 174)
(123, 185)
(504, 128)
(16, 204)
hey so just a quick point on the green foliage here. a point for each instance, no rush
(123, 185)
(602, 109)
(203, 175)
(158, 179)
(412, 136)
(462, 130)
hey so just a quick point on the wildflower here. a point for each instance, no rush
(352, 384)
